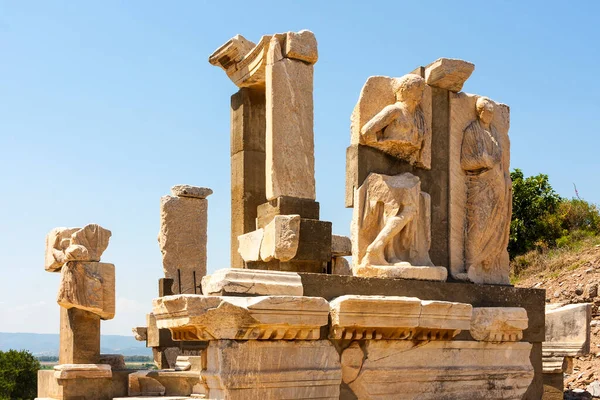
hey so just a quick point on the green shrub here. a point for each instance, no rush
(18, 375)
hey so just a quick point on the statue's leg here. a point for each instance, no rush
(375, 254)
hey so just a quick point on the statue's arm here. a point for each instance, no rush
(473, 157)
(380, 121)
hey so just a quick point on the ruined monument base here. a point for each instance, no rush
(403, 272)
(82, 388)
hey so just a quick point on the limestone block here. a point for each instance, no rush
(235, 282)
(290, 160)
(340, 266)
(188, 363)
(57, 241)
(74, 371)
(142, 385)
(437, 370)
(281, 238)
(481, 202)
(448, 73)
(285, 205)
(395, 317)
(191, 191)
(193, 317)
(140, 333)
(115, 361)
(88, 286)
(182, 240)
(301, 46)
(272, 370)
(567, 330)
(157, 337)
(498, 324)
(79, 337)
(249, 245)
(394, 115)
(341, 246)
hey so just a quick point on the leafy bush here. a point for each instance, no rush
(18, 375)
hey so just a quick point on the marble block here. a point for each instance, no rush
(498, 324)
(255, 282)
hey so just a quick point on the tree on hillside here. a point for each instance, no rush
(18, 375)
(533, 222)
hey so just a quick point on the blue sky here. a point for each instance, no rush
(105, 105)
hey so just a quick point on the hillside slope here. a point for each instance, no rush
(569, 275)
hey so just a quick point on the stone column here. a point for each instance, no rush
(79, 337)
(182, 236)
(247, 164)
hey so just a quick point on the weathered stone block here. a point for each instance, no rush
(341, 246)
(272, 370)
(195, 192)
(79, 337)
(448, 73)
(290, 160)
(315, 241)
(250, 244)
(192, 317)
(498, 324)
(340, 266)
(301, 46)
(236, 282)
(74, 371)
(281, 238)
(182, 240)
(285, 205)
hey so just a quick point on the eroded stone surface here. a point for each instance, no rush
(88, 286)
(142, 385)
(116, 361)
(341, 245)
(480, 189)
(57, 241)
(438, 369)
(301, 46)
(255, 282)
(290, 160)
(448, 73)
(281, 238)
(568, 330)
(194, 317)
(182, 241)
(391, 229)
(340, 266)
(272, 370)
(74, 371)
(196, 192)
(140, 333)
(395, 317)
(249, 245)
(498, 324)
(394, 115)
(75, 244)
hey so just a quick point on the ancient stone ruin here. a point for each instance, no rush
(424, 310)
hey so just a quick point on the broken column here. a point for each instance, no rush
(273, 126)
(86, 296)
(182, 236)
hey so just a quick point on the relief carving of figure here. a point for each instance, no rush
(391, 229)
(400, 128)
(489, 199)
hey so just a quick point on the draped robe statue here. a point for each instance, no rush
(489, 199)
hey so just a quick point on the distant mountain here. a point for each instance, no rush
(46, 344)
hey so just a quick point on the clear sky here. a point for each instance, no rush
(105, 105)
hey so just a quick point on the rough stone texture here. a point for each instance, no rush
(191, 317)
(394, 116)
(157, 337)
(498, 324)
(340, 266)
(391, 229)
(290, 160)
(182, 241)
(247, 164)
(272, 370)
(315, 241)
(88, 286)
(191, 191)
(281, 238)
(163, 383)
(236, 282)
(57, 241)
(567, 331)
(396, 317)
(140, 333)
(165, 357)
(553, 386)
(438, 369)
(481, 204)
(115, 361)
(301, 46)
(249, 245)
(82, 388)
(79, 337)
(341, 246)
(74, 371)
(284, 205)
(448, 73)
